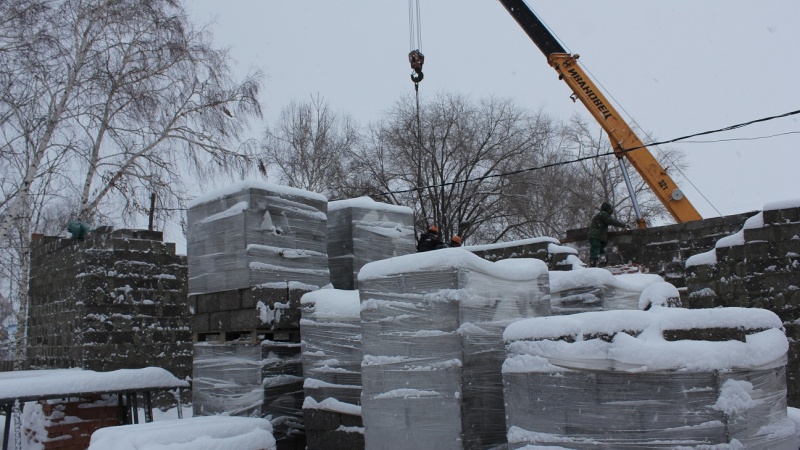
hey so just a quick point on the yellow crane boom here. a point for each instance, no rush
(621, 135)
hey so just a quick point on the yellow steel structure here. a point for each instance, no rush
(622, 137)
(624, 141)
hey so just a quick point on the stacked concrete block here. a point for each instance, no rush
(431, 326)
(664, 378)
(360, 231)
(331, 334)
(661, 250)
(252, 234)
(113, 300)
(596, 290)
(759, 266)
(262, 380)
(254, 250)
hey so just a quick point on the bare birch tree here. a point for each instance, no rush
(108, 101)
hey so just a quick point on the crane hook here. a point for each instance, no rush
(417, 59)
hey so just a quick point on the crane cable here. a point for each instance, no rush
(415, 56)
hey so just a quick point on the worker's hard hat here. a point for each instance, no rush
(434, 229)
(456, 239)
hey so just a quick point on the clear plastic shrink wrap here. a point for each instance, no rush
(360, 231)
(432, 325)
(254, 233)
(666, 378)
(595, 289)
(331, 343)
(262, 380)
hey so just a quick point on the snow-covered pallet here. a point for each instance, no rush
(432, 326)
(331, 345)
(360, 231)
(254, 233)
(663, 378)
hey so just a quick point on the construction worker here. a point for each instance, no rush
(455, 241)
(429, 240)
(598, 232)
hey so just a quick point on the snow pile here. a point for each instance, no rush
(595, 289)
(432, 326)
(665, 377)
(252, 233)
(197, 433)
(360, 231)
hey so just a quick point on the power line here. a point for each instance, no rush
(599, 155)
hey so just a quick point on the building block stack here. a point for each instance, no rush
(360, 231)
(431, 326)
(254, 249)
(663, 378)
(115, 299)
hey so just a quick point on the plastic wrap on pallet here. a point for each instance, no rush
(331, 341)
(250, 380)
(596, 289)
(663, 378)
(227, 379)
(360, 231)
(432, 326)
(252, 233)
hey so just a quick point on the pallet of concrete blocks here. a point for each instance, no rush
(360, 231)
(331, 343)
(595, 289)
(432, 328)
(261, 380)
(662, 378)
(255, 233)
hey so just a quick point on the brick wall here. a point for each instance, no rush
(69, 423)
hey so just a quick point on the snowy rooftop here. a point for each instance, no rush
(42, 384)
(253, 184)
(454, 258)
(367, 203)
(197, 433)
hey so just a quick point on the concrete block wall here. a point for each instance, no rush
(115, 300)
(661, 250)
(758, 267)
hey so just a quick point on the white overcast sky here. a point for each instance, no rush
(676, 67)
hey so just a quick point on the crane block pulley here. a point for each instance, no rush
(417, 59)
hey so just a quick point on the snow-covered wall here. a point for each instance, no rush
(115, 300)
(756, 266)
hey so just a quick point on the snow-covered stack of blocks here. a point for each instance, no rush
(360, 231)
(432, 328)
(596, 290)
(254, 233)
(331, 344)
(663, 378)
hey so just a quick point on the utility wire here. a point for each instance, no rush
(599, 155)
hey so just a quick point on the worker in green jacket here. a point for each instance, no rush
(598, 232)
